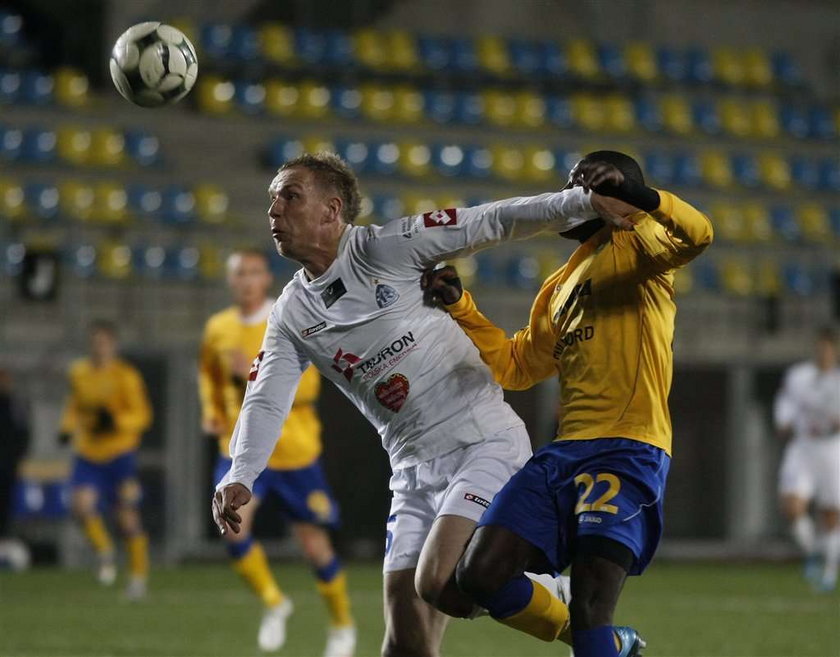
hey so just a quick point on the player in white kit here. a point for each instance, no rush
(356, 311)
(807, 413)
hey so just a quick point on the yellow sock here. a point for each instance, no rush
(253, 567)
(335, 597)
(97, 534)
(138, 554)
(545, 616)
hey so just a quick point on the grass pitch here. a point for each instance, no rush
(205, 611)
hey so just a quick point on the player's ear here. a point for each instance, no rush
(334, 207)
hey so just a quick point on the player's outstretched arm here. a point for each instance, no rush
(517, 363)
(683, 233)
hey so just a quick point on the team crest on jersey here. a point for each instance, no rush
(385, 295)
(448, 217)
(393, 392)
(255, 367)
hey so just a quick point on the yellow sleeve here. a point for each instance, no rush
(135, 415)
(677, 235)
(70, 415)
(210, 381)
(517, 363)
(309, 387)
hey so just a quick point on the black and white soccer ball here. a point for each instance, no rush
(153, 64)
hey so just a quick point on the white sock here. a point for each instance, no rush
(804, 533)
(832, 555)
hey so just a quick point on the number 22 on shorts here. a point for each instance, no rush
(588, 482)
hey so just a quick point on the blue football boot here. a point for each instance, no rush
(631, 643)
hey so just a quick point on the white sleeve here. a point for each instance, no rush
(272, 383)
(785, 406)
(424, 240)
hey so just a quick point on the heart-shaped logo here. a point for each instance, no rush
(393, 392)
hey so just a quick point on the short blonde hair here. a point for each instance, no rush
(332, 172)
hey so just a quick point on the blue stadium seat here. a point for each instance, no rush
(338, 49)
(525, 57)
(11, 28)
(448, 159)
(244, 43)
(42, 199)
(142, 147)
(310, 45)
(686, 170)
(523, 272)
(672, 64)
(11, 143)
(785, 69)
(358, 154)
(144, 202)
(699, 66)
(821, 123)
(478, 162)
(464, 59)
(10, 83)
(149, 260)
(487, 269)
(648, 113)
(611, 60)
(216, 40)
(177, 205)
(834, 221)
(784, 223)
(385, 158)
(249, 97)
(440, 105)
(11, 257)
(705, 116)
(469, 108)
(794, 120)
(39, 146)
(553, 60)
(797, 279)
(346, 101)
(706, 275)
(182, 262)
(282, 149)
(830, 174)
(659, 167)
(37, 88)
(558, 111)
(804, 172)
(435, 53)
(82, 259)
(745, 170)
(564, 160)
(387, 207)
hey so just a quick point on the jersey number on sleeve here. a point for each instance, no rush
(588, 482)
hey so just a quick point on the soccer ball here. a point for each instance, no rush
(153, 64)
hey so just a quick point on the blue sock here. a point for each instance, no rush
(328, 572)
(597, 642)
(239, 549)
(512, 598)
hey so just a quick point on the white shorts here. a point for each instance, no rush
(460, 483)
(811, 470)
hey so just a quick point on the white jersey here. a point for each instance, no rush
(809, 402)
(364, 324)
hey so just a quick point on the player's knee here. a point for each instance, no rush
(128, 520)
(82, 504)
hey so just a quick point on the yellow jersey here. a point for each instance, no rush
(117, 387)
(228, 338)
(604, 323)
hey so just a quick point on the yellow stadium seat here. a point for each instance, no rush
(620, 115)
(768, 281)
(365, 217)
(415, 159)
(508, 162)
(71, 87)
(281, 98)
(493, 54)
(539, 164)
(548, 261)
(76, 200)
(110, 203)
(757, 69)
(641, 61)
(377, 102)
(757, 224)
(214, 94)
(415, 203)
(187, 27)
(728, 66)
(12, 201)
(467, 269)
(735, 117)
(676, 114)
(774, 170)
(728, 221)
(765, 119)
(371, 48)
(499, 107)
(277, 43)
(107, 147)
(403, 50)
(715, 169)
(211, 261)
(583, 61)
(315, 144)
(450, 201)
(589, 112)
(314, 100)
(211, 203)
(736, 277)
(837, 120)
(814, 222)
(683, 280)
(408, 105)
(74, 144)
(530, 110)
(114, 260)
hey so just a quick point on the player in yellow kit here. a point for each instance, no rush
(232, 340)
(592, 499)
(105, 415)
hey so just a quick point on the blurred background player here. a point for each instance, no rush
(232, 339)
(14, 438)
(105, 415)
(807, 414)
